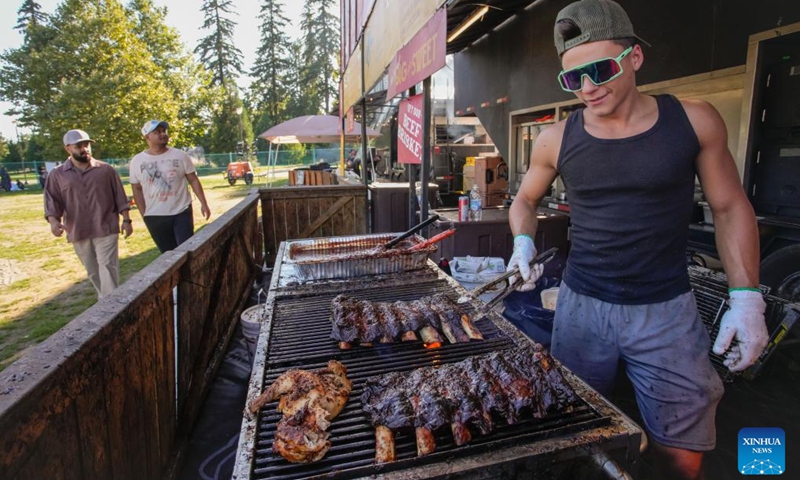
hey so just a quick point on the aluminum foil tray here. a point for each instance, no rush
(354, 256)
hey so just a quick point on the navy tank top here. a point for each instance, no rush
(631, 202)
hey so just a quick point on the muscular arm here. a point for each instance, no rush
(197, 187)
(138, 196)
(540, 175)
(734, 219)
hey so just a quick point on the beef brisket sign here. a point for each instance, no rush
(409, 130)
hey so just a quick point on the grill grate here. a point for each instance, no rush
(711, 292)
(300, 336)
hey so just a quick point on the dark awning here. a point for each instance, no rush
(459, 11)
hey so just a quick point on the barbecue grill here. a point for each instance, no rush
(296, 334)
(711, 292)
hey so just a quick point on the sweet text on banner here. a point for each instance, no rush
(421, 57)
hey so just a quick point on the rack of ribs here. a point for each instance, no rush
(309, 400)
(368, 322)
(512, 383)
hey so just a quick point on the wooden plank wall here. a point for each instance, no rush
(310, 177)
(219, 276)
(310, 212)
(99, 398)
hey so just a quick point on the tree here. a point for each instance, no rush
(4, 151)
(185, 78)
(217, 52)
(320, 51)
(271, 70)
(229, 127)
(15, 152)
(29, 16)
(94, 67)
(17, 84)
(302, 97)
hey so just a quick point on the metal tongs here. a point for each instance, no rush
(393, 243)
(543, 258)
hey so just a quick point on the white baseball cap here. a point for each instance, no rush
(76, 136)
(151, 125)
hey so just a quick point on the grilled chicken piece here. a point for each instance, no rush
(309, 400)
(511, 383)
(328, 387)
(303, 437)
(366, 322)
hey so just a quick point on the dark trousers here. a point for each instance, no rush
(169, 231)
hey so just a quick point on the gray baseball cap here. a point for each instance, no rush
(598, 20)
(76, 136)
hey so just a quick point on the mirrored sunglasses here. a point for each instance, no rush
(599, 72)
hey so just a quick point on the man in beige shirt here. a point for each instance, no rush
(159, 176)
(84, 198)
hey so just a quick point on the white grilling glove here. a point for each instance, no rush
(743, 321)
(524, 253)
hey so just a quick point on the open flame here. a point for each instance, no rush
(433, 345)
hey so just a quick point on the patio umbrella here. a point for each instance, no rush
(312, 129)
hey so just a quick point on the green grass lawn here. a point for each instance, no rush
(43, 284)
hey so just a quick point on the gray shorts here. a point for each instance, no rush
(664, 347)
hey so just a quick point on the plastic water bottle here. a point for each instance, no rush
(475, 204)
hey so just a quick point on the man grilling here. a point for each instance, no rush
(629, 162)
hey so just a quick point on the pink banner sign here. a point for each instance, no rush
(409, 130)
(422, 56)
(350, 123)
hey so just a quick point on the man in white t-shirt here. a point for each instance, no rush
(159, 176)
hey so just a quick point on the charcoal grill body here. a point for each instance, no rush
(296, 334)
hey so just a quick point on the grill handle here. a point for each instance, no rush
(392, 243)
(610, 467)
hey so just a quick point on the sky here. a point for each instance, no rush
(184, 15)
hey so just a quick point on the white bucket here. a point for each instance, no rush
(549, 298)
(251, 320)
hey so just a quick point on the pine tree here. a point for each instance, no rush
(321, 51)
(16, 83)
(301, 97)
(270, 88)
(177, 70)
(228, 126)
(217, 51)
(29, 16)
(93, 72)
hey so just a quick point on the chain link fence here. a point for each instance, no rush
(29, 173)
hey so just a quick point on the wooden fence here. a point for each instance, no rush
(308, 212)
(115, 393)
